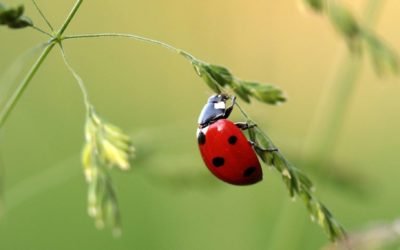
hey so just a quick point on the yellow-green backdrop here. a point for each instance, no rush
(169, 200)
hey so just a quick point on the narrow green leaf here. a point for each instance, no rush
(261, 139)
(218, 77)
(207, 78)
(344, 21)
(265, 93)
(240, 91)
(252, 134)
(267, 157)
(220, 74)
(304, 180)
(384, 58)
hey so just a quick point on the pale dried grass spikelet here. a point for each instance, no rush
(106, 147)
(109, 142)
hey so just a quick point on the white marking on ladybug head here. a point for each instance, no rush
(219, 105)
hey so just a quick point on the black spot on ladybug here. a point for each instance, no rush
(218, 161)
(201, 138)
(232, 139)
(249, 171)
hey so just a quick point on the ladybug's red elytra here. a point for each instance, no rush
(224, 148)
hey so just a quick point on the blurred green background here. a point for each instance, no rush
(169, 200)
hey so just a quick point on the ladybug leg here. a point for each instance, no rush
(257, 147)
(228, 111)
(244, 125)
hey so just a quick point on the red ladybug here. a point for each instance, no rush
(224, 148)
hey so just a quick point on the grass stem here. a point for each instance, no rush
(69, 18)
(135, 37)
(329, 119)
(12, 101)
(41, 30)
(10, 104)
(42, 15)
(78, 79)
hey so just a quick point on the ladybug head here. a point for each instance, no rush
(218, 98)
(214, 109)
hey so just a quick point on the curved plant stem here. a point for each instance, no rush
(135, 37)
(78, 79)
(329, 119)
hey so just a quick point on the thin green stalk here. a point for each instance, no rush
(325, 131)
(69, 18)
(9, 106)
(138, 38)
(78, 79)
(41, 30)
(14, 69)
(42, 15)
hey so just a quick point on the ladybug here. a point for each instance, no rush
(224, 148)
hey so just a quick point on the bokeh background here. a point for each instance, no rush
(169, 200)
